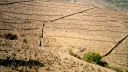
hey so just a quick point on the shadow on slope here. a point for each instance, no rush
(16, 63)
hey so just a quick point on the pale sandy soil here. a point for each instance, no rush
(67, 26)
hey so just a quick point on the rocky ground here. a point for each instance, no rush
(17, 56)
(67, 26)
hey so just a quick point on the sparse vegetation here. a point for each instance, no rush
(75, 55)
(11, 36)
(25, 41)
(91, 57)
(94, 57)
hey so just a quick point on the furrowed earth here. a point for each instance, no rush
(65, 26)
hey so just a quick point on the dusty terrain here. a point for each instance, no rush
(67, 26)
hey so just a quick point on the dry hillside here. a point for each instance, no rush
(66, 26)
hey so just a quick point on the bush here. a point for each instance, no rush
(75, 55)
(11, 36)
(25, 41)
(93, 57)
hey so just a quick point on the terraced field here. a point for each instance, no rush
(96, 29)
(67, 26)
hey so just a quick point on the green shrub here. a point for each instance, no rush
(93, 57)
(75, 55)
(25, 41)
